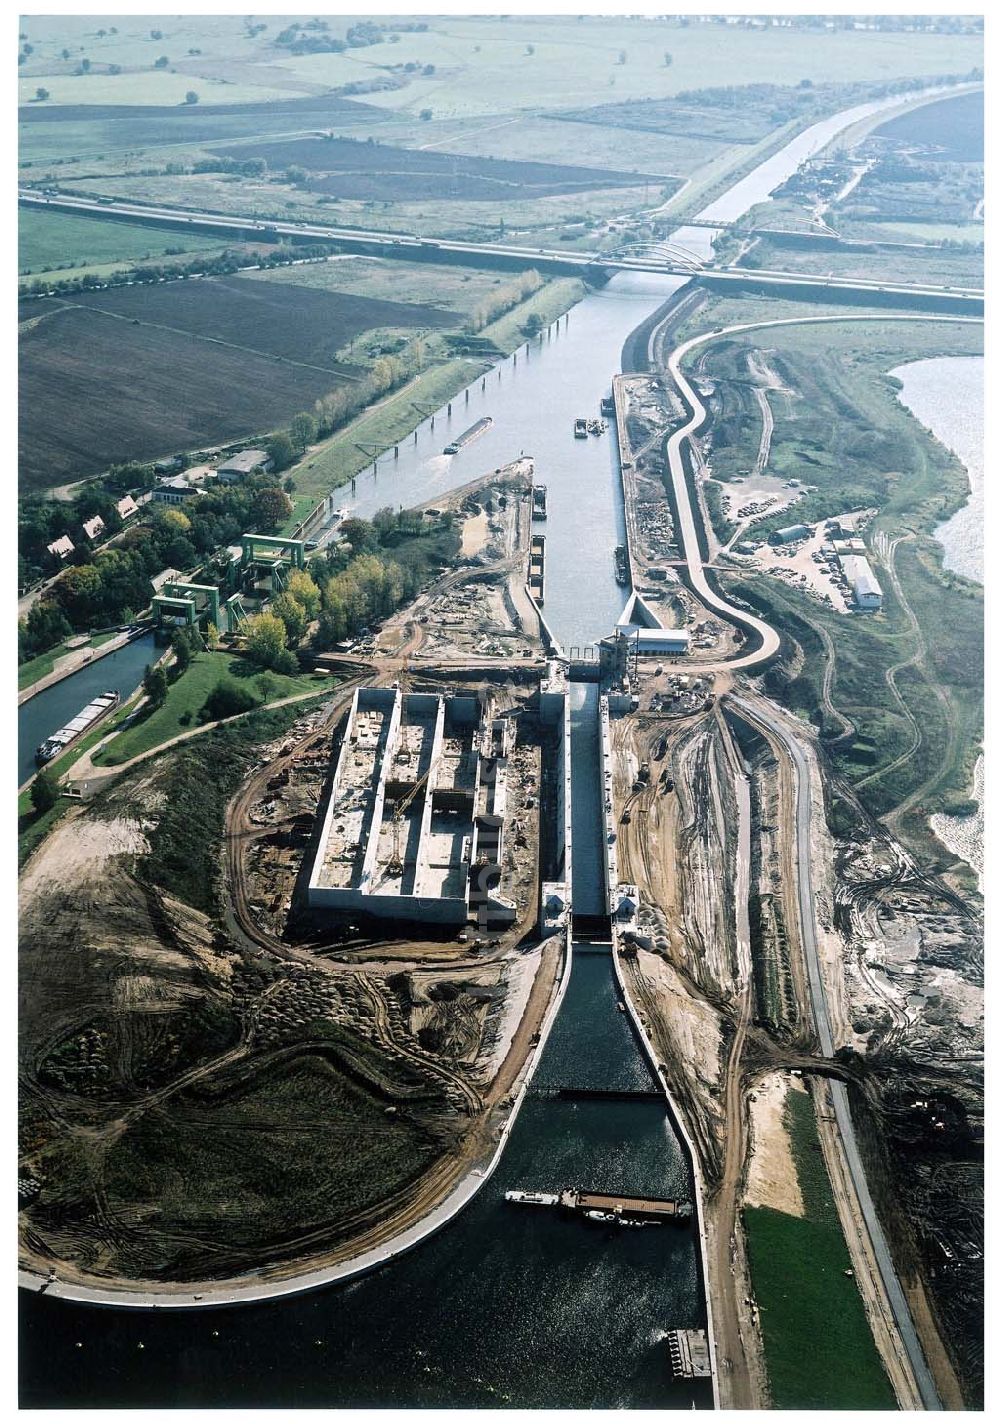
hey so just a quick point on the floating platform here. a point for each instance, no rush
(689, 1357)
(623, 1208)
(536, 568)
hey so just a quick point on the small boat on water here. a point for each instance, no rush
(607, 405)
(538, 501)
(84, 720)
(621, 564)
(580, 427)
(467, 436)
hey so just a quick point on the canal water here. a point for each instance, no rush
(505, 1306)
(120, 671)
(947, 395)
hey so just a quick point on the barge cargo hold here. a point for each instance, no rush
(84, 720)
(467, 436)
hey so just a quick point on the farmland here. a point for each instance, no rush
(96, 390)
(382, 173)
(139, 372)
(275, 319)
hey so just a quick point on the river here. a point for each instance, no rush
(947, 395)
(504, 1306)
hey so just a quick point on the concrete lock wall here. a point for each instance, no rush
(608, 804)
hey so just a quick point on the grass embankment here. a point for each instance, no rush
(36, 668)
(186, 698)
(845, 432)
(818, 1348)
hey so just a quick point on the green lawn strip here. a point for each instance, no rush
(818, 1347)
(186, 698)
(36, 668)
(549, 302)
(301, 506)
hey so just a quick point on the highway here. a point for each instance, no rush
(407, 246)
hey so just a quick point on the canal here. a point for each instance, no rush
(505, 1306)
(120, 671)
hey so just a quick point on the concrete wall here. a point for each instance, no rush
(608, 802)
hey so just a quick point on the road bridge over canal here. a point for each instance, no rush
(596, 266)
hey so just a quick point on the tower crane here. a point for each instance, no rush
(395, 865)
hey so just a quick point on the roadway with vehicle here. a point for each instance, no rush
(408, 247)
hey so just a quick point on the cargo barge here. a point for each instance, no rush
(615, 1210)
(84, 720)
(580, 427)
(621, 564)
(467, 436)
(538, 502)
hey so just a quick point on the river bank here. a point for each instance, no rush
(947, 396)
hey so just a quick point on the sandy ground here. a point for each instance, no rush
(518, 980)
(77, 852)
(771, 1176)
(475, 532)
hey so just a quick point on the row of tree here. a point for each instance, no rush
(503, 299)
(385, 375)
(229, 260)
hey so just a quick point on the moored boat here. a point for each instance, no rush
(84, 720)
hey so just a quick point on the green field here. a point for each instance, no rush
(457, 289)
(937, 266)
(54, 241)
(187, 697)
(818, 1348)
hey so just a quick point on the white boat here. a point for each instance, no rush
(532, 1198)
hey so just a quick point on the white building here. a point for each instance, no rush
(176, 490)
(94, 528)
(640, 624)
(864, 585)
